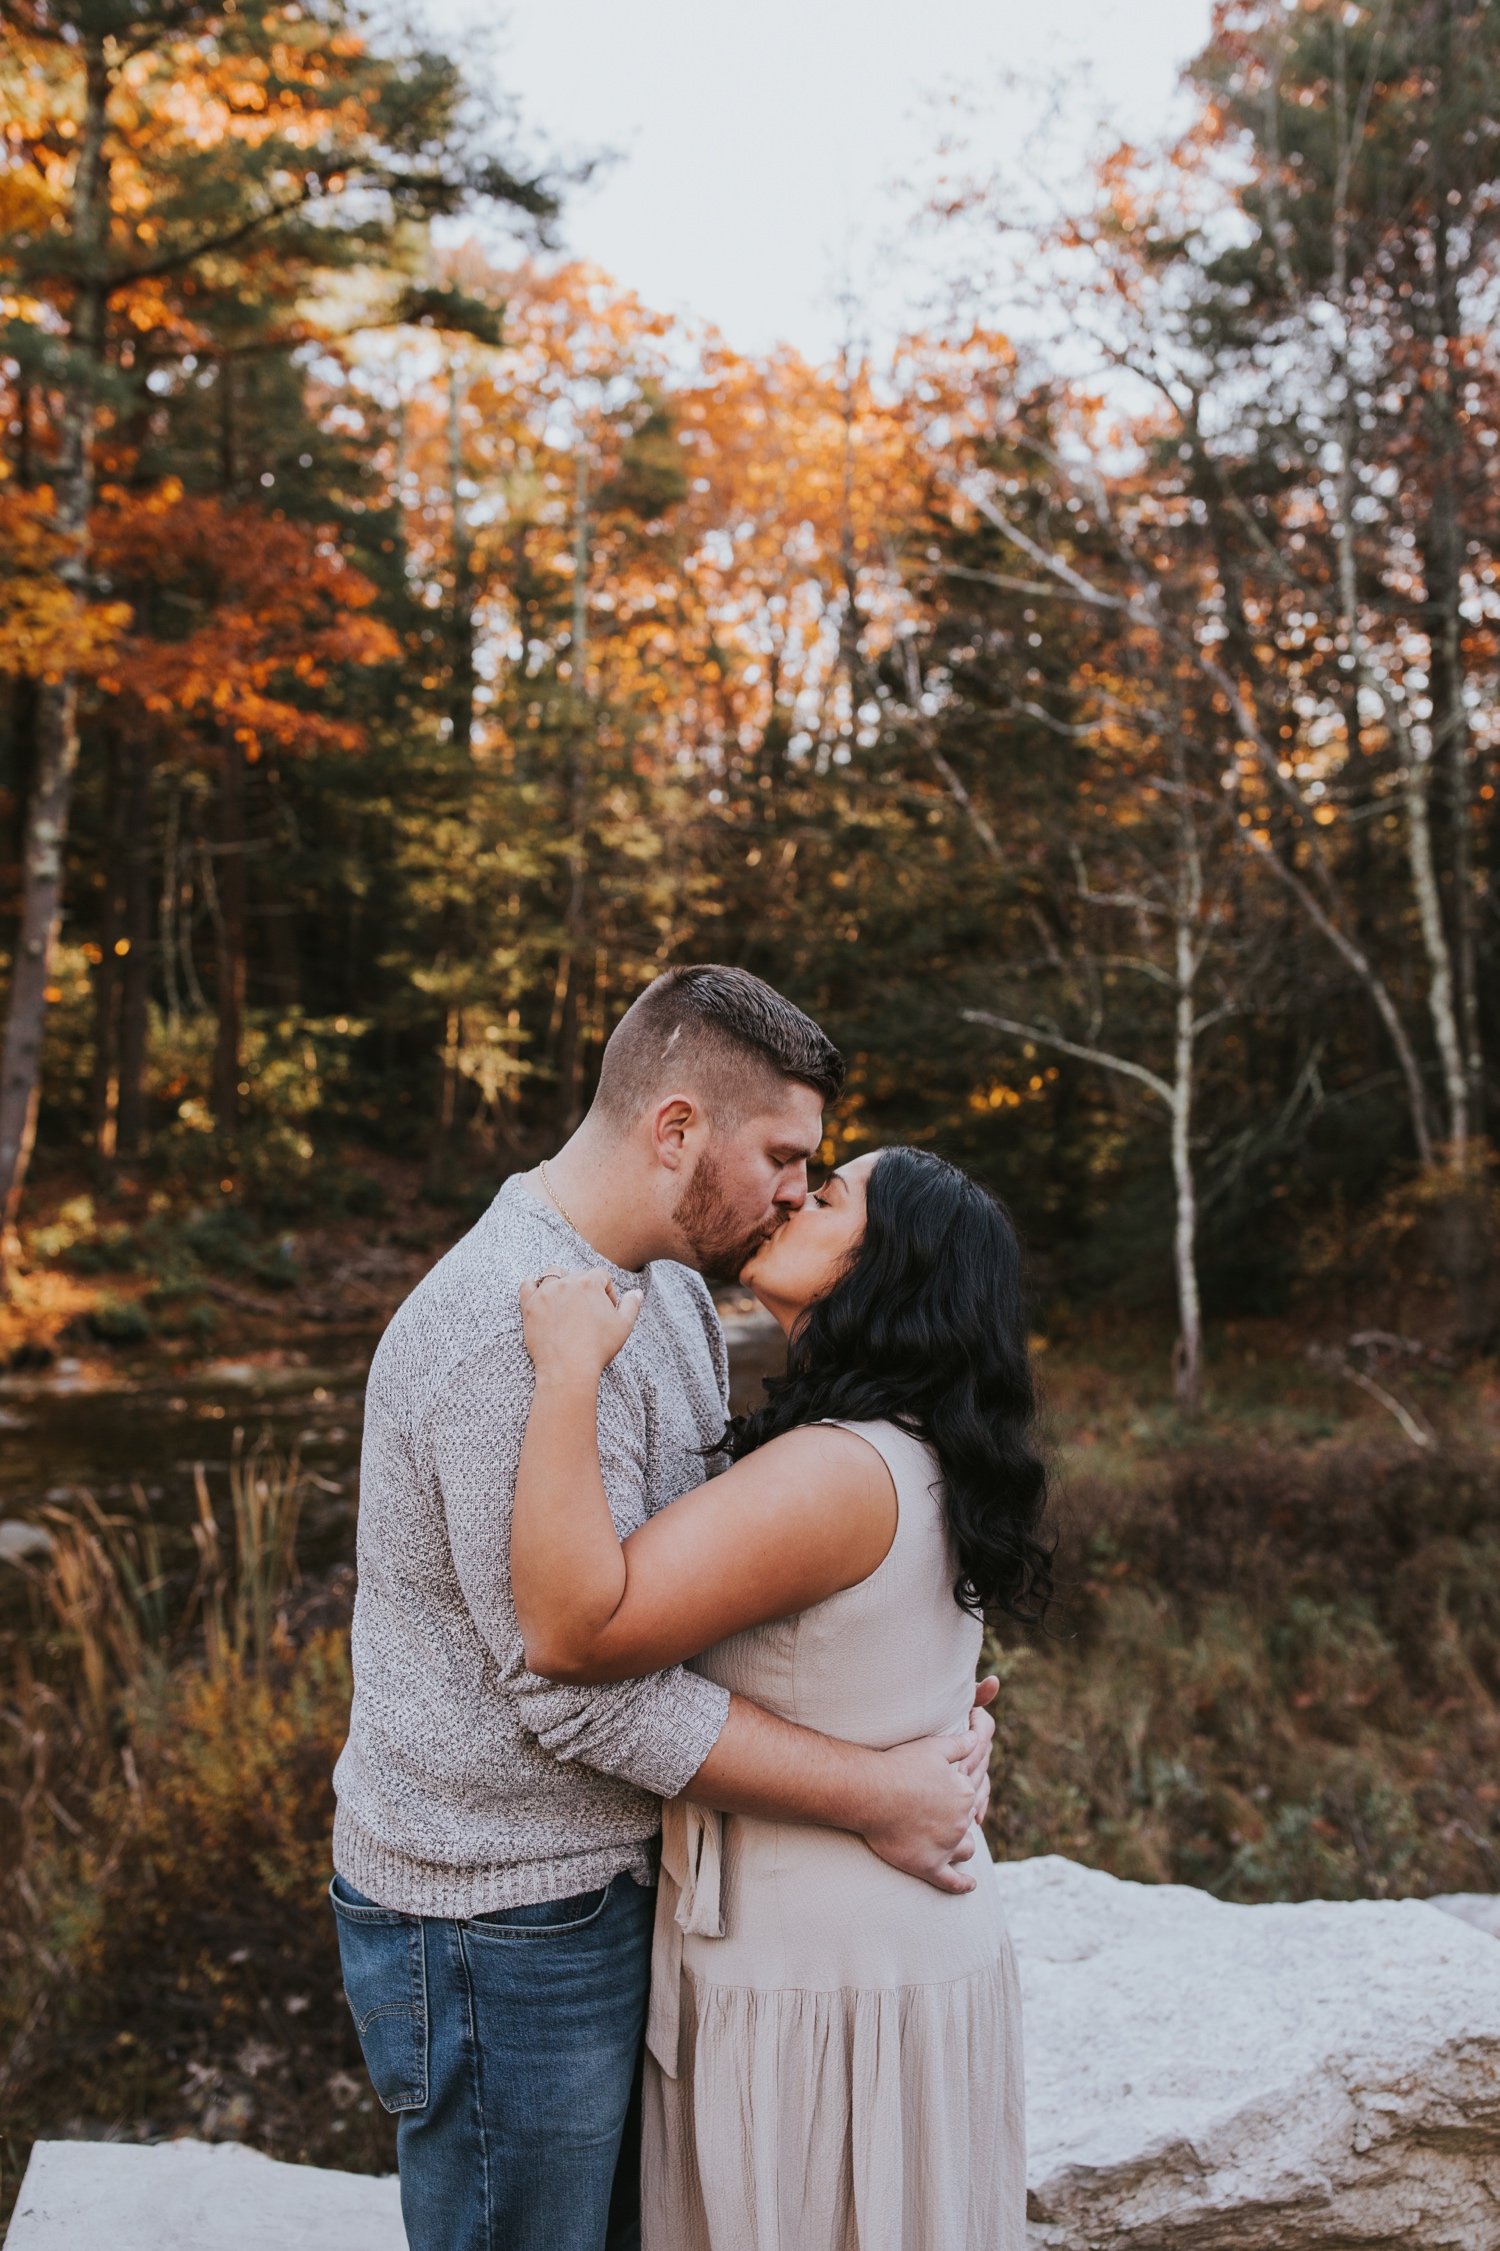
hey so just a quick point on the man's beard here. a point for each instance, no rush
(719, 1241)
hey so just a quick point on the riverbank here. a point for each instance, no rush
(1273, 1675)
(1274, 1671)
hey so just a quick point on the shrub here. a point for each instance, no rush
(119, 1320)
(1275, 1675)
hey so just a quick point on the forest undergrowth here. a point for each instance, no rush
(1275, 1675)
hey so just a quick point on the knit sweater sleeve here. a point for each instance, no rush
(654, 1732)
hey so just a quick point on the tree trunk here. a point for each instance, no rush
(570, 1040)
(41, 913)
(229, 989)
(18, 768)
(576, 914)
(104, 1078)
(1440, 995)
(57, 700)
(135, 965)
(461, 621)
(450, 1102)
(20, 737)
(278, 915)
(169, 909)
(1187, 1354)
(1442, 565)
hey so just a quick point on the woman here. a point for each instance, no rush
(834, 2059)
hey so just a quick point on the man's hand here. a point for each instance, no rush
(921, 1831)
(926, 1822)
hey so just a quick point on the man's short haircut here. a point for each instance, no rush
(718, 1033)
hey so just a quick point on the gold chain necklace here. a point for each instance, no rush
(552, 1192)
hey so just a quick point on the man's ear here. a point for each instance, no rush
(671, 1124)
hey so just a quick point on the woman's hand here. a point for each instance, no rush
(574, 1324)
(567, 1568)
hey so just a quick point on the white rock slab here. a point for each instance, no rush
(20, 1542)
(196, 2196)
(1481, 1908)
(1204, 2077)
(1199, 2077)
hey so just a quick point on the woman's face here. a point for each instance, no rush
(807, 1254)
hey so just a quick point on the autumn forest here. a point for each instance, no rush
(410, 641)
(408, 648)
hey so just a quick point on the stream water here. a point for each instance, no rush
(128, 1441)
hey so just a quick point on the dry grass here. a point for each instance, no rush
(168, 1960)
(1275, 1672)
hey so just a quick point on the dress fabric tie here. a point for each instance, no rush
(692, 1857)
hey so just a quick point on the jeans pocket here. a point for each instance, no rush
(385, 1982)
(542, 1919)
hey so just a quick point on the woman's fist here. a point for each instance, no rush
(576, 1323)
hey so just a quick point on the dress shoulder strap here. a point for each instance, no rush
(911, 1461)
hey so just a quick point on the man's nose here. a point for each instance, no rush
(792, 1188)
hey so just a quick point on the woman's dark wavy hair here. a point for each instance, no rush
(926, 1328)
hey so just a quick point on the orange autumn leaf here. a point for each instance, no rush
(267, 604)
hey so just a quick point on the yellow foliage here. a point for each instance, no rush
(45, 630)
(235, 1772)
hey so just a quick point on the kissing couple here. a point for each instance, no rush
(663, 1904)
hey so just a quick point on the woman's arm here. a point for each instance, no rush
(811, 1513)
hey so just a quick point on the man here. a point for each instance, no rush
(494, 1842)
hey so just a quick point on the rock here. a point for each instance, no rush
(196, 2196)
(20, 1542)
(1481, 1908)
(1202, 2077)
(1199, 2077)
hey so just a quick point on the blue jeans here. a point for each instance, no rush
(509, 2047)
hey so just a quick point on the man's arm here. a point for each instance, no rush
(673, 1731)
(915, 1806)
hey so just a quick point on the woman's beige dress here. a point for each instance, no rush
(834, 2048)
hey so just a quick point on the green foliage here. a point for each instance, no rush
(119, 1320)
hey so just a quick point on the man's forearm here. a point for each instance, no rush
(769, 1767)
(915, 1805)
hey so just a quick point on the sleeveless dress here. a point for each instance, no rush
(834, 2048)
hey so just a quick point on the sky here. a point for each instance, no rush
(761, 146)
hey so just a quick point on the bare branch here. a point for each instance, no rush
(998, 580)
(1094, 595)
(947, 772)
(1099, 1055)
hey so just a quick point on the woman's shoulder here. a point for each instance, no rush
(826, 1468)
(828, 1441)
(903, 1452)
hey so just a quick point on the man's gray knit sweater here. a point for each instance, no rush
(467, 1783)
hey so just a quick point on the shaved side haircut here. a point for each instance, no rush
(718, 1033)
